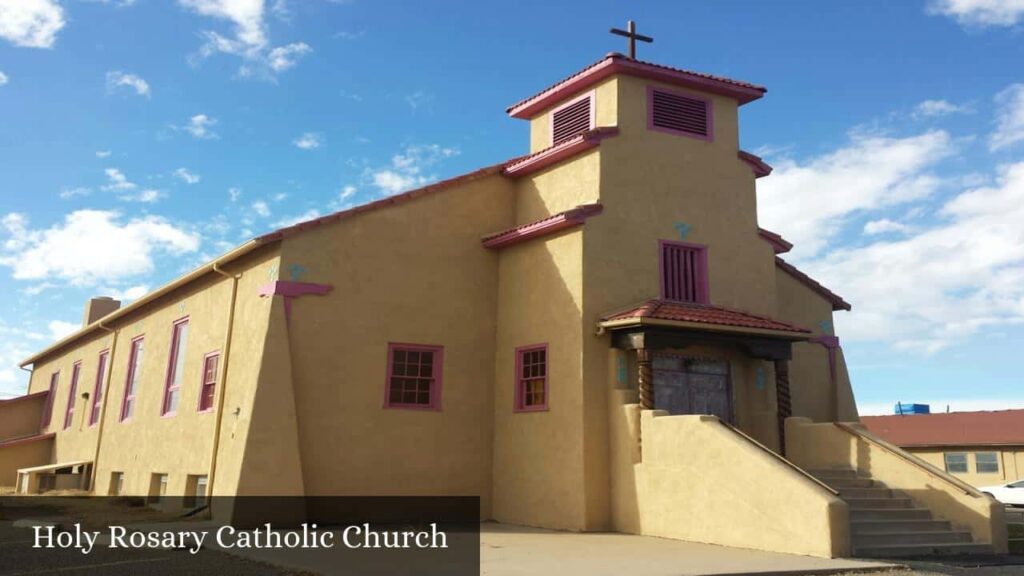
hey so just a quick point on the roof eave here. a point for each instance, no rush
(623, 323)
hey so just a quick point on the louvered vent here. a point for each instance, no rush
(682, 273)
(679, 113)
(570, 120)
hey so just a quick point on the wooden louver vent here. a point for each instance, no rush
(570, 120)
(682, 274)
(679, 113)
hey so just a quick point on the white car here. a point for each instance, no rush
(1011, 494)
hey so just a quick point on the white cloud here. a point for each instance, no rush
(347, 192)
(117, 79)
(90, 246)
(808, 202)
(126, 295)
(31, 23)
(68, 193)
(147, 196)
(407, 169)
(103, 153)
(309, 141)
(117, 181)
(187, 177)
(3, 78)
(1009, 118)
(884, 226)
(200, 127)
(931, 108)
(308, 215)
(59, 329)
(234, 193)
(980, 12)
(285, 57)
(261, 208)
(417, 99)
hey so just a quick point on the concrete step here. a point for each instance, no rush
(923, 549)
(877, 503)
(883, 526)
(833, 473)
(890, 514)
(846, 482)
(867, 492)
(908, 537)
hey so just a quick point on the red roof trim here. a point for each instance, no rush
(553, 154)
(27, 439)
(23, 397)
(837, 301)
(615, 63)
(985, 428)
(543, 227)
(779, 244)
(759, 166)
(702, 314)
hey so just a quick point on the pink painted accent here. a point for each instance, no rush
(593, 116)
(759, 166)
(618, 64)
(521, 382)
(7, 401)
(549, 225)
(172, 378)
(436, 375)
(27, 439)
(51, 395)
(208, 382)
(97, 391)
(69, 410)
(701, 263)
(553, 154)
(779, 244)
(831, 344)
(709, 111)
(130, 383)
(289, 289)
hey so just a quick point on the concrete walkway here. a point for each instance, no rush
(518, 551)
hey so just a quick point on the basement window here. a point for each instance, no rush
(684, 272)
(116, 487)
(414, 376)
(956, 462)
(572, 118)
(986, 462)
(157, 488)
(195, 491)
(532, 378)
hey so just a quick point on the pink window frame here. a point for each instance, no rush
(593, 113)
(703, 295)
(436, 376)
(202, 382)
(170, 374)
(69, 409)
(709, 106)
(102, 365)
(132, 354)
(48, 408)
(520, 391)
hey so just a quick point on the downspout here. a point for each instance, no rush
(222, 393)
(103, 406)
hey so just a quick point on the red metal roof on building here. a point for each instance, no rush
(1000, 427)
(702, 314)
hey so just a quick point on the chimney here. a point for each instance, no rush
(99, 307)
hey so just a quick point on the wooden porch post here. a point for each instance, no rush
(646, 379)
(785, 408)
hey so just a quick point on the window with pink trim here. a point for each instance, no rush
(531, 378)
(69, 410)
(48, 408)
(175, 367)
(684, 272)
(208, 387)
(414, 376)
(97, 392)
(131, 382)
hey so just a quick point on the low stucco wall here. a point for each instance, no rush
(20, 417)
(693, 478)
(828, 445)
(23, 455)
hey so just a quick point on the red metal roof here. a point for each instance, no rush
(837, 301)
(556, 153)
(542, 227)
(779, 244)
(702, 314)
(999, 427)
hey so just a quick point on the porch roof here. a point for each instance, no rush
(48, 467)
(690, 315)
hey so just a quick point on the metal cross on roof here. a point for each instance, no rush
(630, 32)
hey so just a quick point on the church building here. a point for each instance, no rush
(594, 336)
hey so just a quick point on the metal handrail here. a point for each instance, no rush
(779, 457)
(916, 462)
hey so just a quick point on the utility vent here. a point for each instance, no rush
(683, 273)
(571, 120)
(679, 113)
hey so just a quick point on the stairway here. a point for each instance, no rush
(886, 523)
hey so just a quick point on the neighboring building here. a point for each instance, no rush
(981, 448)
(533, 333)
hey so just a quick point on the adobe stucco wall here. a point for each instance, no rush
(17, 455)
(21, 417)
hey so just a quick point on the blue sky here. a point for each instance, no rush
(139, 138)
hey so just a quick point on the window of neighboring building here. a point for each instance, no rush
(48, 407)
(175, 367)
(414, 376)
(69, 410)
(131, 383)
(157, 488)
(684, 272)
(531, 378)
(195, 491)
(208, 387)
(572, 118)
(116, 484)
(986, 462)
(97, 392)
(956, 462)
(678, 113)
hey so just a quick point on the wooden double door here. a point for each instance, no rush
(689, 385)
